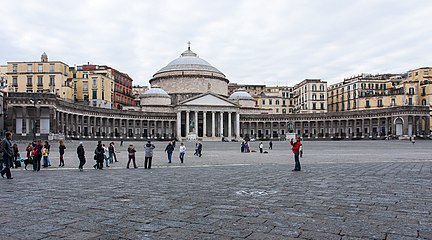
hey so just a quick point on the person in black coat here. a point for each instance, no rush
(7, 155)
(81, 156)
(100, 155)
(169, 149)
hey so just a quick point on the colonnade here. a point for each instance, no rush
(337, 128)
(208, 124)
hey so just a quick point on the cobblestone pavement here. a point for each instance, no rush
(346, 190)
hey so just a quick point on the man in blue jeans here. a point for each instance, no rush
(7, 155)
(169, 149)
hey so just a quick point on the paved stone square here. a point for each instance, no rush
(347, 190)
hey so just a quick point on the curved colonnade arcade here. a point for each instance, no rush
(31, 115)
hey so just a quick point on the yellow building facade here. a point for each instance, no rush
(42, 77)
(93, 87)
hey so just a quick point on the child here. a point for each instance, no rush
(45, 156)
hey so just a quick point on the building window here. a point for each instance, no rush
(51, 80)
(14, 81)
(29, 67)
(270, 102)
(51, 67)
(410, 102)
(277, 110)
(40, 68)
(354, 105)
(283, 110)
(367, 104)
(380, 104)
(14, 68)
(29, 81)
(314, 106)
(416, 73)
(321, 96)
(263, 102)
(40, 81)
(94, 85)
(424, 102)
(426, 72)
(277, 102)
(85, 86)
(393, 102)
(313, 87)
(411, 91)
(322, 106)
(283, 102)
(423, 91)
(94, 96)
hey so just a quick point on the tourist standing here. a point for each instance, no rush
(131, 155)
(242, 145)
(247, 149)
(45, 156)
(99, 155)
(29, 149)
(169, 150)
(16, 154)
(106, 155)
(111, 152)
(148, 154)
(270, 144)
(37, 155)
(261, 146)
(182, 151)
(48, 147)
(296, 150)
(7, 155)
(62, 148)
(81, 156)
(114, 152)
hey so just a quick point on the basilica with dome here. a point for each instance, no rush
(187, 100)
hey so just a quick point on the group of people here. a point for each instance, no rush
(38, 151)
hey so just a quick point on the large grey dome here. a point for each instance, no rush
(188, 61)
(241, 94)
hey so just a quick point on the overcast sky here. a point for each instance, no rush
(261, 42)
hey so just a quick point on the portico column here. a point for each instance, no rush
(229, 124)
(213, 124)
(362, 128)
(205, 124)
(178, 133)
(221, 124)
(187, 123)
(196, 123)
(355, 128)
(271, 130)
(237, 124)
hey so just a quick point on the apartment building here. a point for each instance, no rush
(40, 76)
(310, 96)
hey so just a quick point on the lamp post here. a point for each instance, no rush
(34, 102)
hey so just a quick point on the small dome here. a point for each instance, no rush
(241, 94)
(156, 92)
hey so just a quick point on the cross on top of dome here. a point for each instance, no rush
(188, 52)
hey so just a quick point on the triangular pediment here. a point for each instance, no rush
(208, 99)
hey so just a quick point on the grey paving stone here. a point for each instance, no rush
(348, 190)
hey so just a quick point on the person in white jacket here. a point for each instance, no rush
(182, 151)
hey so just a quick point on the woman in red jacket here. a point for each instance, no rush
(296, 150)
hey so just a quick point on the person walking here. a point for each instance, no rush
(131, 153)
(270, 144)
(99, 155)
(261, 146)
(62, 148)
(182, 151)
(37, 155)
(169, 150)
(296, 150)
(7, 155)
(148, 154)
(199, 149)
(81, 156)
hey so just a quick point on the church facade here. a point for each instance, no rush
(188, 100)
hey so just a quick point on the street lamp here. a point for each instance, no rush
(34, 102)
